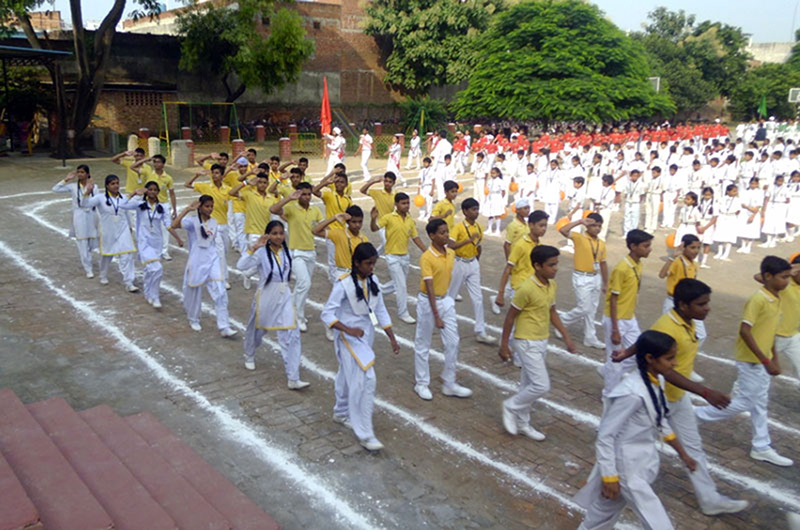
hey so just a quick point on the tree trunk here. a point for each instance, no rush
(232, 95)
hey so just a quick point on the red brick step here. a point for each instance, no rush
(185, 505)
(127, 502)
(62, 499)
(243, 513)
(16, 509)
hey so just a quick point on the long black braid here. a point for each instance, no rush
(78, 184)
(286, 253)
(109, 179)
(203, 199)
(363, 252)
(656, 344)
(144, 206)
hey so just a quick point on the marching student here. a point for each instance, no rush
(518, 265)
(84, 224)
(256, 201)
(203, 266)
(166, 195)
(465, 239)
(755, 360)
(727, 225)
(400, 227)
(480, 173)
(393, 159)
(115, 231)
(446, 208)
(632, 425)
(793, 215)
(634, 189)
(749, 218)
(354, 308)
(133, 179)
(496, 201)
(589, 278)
(425, 188)
(273, 309)
(365, 147)
(604, 205)
(218, 191)
(776, 209)
(708, 221)
(301, 217)
(653, 202)
(436, 310)
(345, 240)
(210, 159)
(239, 172)
(576, 197)
(532, 311)
(787, 341)
(550, 189)
(674, 187)
(336, 200)
(518, 226)
(383, 198)
(151, 217)
(414, 150)
(619, 316)
(689, 219)
(336, 146)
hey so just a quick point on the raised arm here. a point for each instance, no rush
(319, 228)
(136, 166)
(326, 181)
(179, 219)
(367, 185)
(665, 268)
(277, 208)
(117, 159)
(565, 230)
(190, 183)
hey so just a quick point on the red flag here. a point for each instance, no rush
(325, 112)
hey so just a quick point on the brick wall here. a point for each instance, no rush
(126, 111)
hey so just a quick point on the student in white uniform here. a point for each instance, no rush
(749, 216)
(336, 146)
(115, 232)
(273, 307)
(414, 151)
(727, 231)
(496, 201)
(393, 159)
(203, 265)
(793, 217)
(550, 190)
(632, 425)
(84, 222)
(425, 188)
(353, 310)
(604, 204)
(365, 146)
(689, 218)
(776, 209)
(634, 189)
(654, 189)
(708, 221)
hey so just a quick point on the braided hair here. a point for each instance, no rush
(655, 344)
(144, 206)
(109, 179)
(203, 199)
(78, 183)
(363, 251)
(270, 226)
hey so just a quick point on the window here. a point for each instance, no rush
(143, 99)
(316, 25)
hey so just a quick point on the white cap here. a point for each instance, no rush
(242, 161)
(337, 130)
(522, 203)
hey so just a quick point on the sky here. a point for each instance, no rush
(765, 21)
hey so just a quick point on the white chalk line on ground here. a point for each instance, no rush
(764, 488)
(315, 486)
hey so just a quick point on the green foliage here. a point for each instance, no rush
(558, 60)
(227, 41)
(26, 91)
(435, 116)
(427, 43)
(794, 58)
(770, 80)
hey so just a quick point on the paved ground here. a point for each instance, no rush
(447, 463)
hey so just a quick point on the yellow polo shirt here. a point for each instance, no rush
(534, 300)
(437, 267)
(463, 231)
(762, 311)
(300, 222)
(231, 179)
(284, 190)
(384, 201)
(345, 244)
(588, 252)
(164, 181)
(520, 259)
(335, 203)
(133, 180)
(221, 197)
(790, 310)
(681, 268)
(515, 230)
(686, 339)
(625, 282)
(256, 209)
(441, 208)
(398, 231)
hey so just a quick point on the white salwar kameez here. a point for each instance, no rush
(150, 225)
(84, 222)
(115, 235)
(203, 269)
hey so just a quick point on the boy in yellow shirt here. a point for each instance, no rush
(436, 309)
(518, 264)
(532, 311)
(446, 208)
(518, 226)
(345, 240)
(756, 362)
(384, 200)
(788, 340)
(336, 200)
(239, 171)
(166, 193)
(133, 179)
(256, 201)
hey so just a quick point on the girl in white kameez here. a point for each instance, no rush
(708, 220)
(689, 218)
(496, 201)
(749, 217)
(115, 232)
(151, 216)
(793, 217)
(393, 162)
(203, 265)
(354, 308)
(727, 231)
(272, 308)
(776, 209)
(84, 221)
(633, 421)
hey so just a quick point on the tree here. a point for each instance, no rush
(558, 60)
(794, 57)
(426, 43)
(91, 52)
(227, 42)
(772, 81)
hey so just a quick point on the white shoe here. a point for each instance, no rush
(716, 256)
(166, 257)
(764, 245)
(371, 444)
(724, 505)
(329, 334)
(156, 304)
(530, 432)
(771, 456)
(509, 421)
(103, 281)
(246, 282)
(341, 420)
(90, 275)
(132, 288)
(228, 332)
(483, 338)
(250, 365)
(456, 390)
(227, 286)
(408, 319)
(302, 326)
(459, 298)
(594, 343)
(704, 266)
(495, 308)
(297, 385)
(697, 378)
(196, 326)
(423, 392)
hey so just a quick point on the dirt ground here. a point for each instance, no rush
(447, 463)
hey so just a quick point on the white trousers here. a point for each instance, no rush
(413, 154)
(222, 242)
(398, 272)
(303, 263)
(85, 247)
(422, 339)
(669, 209)
(633, 211)
(238, 229)
(534, 379)
(250, 239)
(354, 389)
(603, 513)
(469, 272)
(382, 238)
(790, 347)
(365, 154)
(125, 264)
(750, 394)
(331, 248)
(164, 231)
(612, 372)
(332, 161)
(551, 209)
(652, 203)
(587, 293)
(153, 272)
(605, 213)
(426, 210)
(289, 340)
(193, 301)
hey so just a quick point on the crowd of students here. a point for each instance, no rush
(266, 214)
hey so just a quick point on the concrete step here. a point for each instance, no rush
(237, 508)
(60, 496)
(180, 500)
(127, 502)
(17, 512)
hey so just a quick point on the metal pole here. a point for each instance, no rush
(8, 105)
